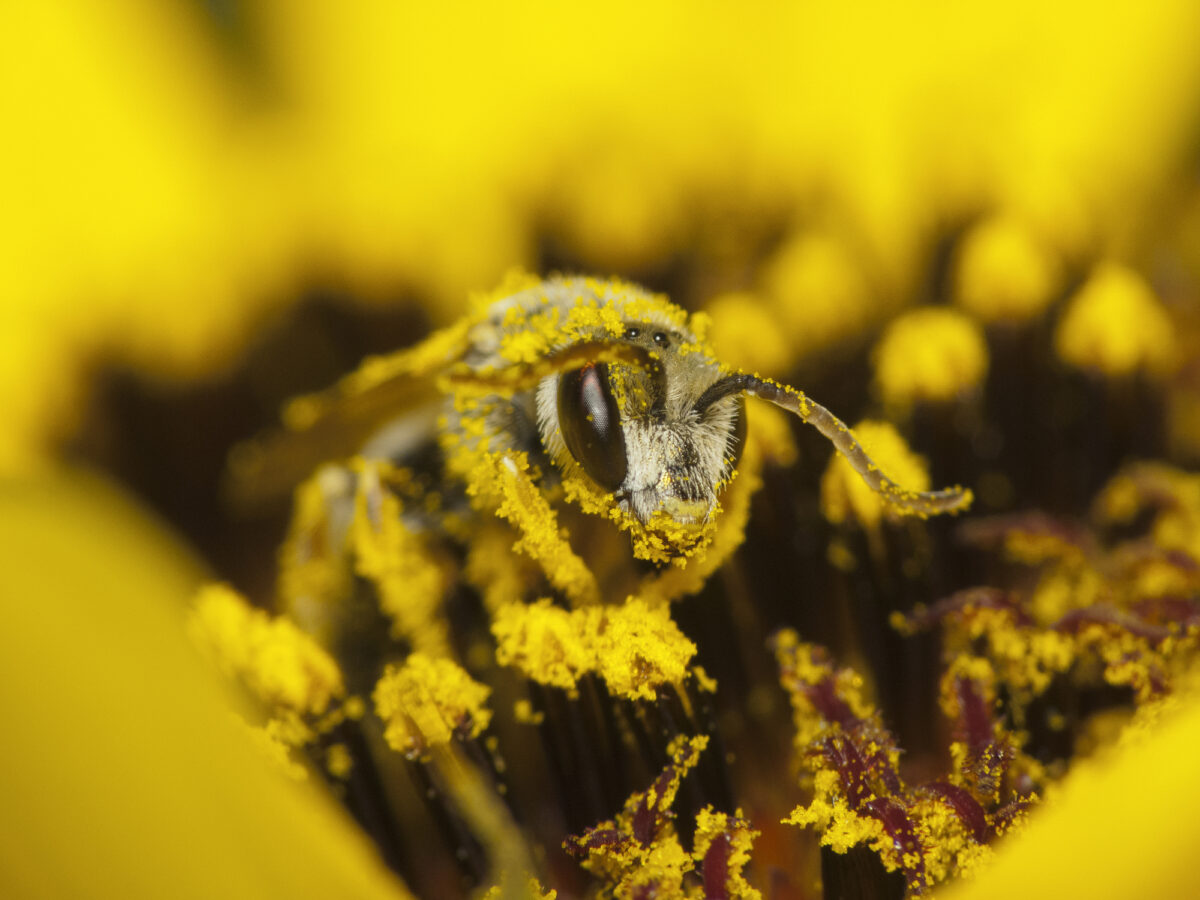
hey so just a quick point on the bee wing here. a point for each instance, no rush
(337, 422)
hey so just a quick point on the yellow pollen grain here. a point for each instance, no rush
(339, 762)
(524, 713)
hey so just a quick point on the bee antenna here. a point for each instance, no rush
(921, 503)
(720, 389)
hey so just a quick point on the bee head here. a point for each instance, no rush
(641, 435)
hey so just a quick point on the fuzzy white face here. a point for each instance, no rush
(640, 435)
(679, 466)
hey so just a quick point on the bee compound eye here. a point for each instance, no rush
(591, 424)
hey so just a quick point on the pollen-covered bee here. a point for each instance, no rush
(593, 394)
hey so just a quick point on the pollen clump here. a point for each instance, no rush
(1002, 275)
(952, 848)
(1172, 494)
(545, 643)
(849, 765)
(428, 702)
(721, 847)
(298, 686)
(635, 648)
(1116, 326)
(846, 498)
(841, 827)
(529, 337)
(639, 852)
(638, 648)
(662, 540)
(276, 661)
(930, 355)
(1026, 658)
(505, 485)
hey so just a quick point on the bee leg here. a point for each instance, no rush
(504, 484)
(315, 576)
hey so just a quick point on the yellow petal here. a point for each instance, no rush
(122, 770)
(1123, 826)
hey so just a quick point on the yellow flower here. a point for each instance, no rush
(208, 211)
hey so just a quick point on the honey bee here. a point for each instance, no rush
(598, 390)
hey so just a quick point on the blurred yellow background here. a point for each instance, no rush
(177, 171)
